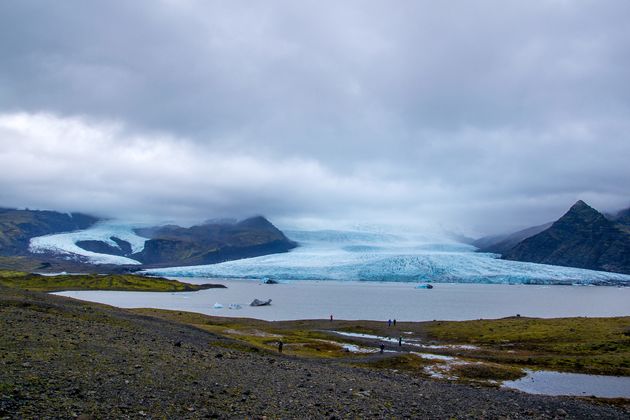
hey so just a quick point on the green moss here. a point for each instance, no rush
(486, 371)
(590, 345)
(408, 362)
(11, 273)
(123, 282)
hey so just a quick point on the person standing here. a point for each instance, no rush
(382, 348)
(331, 318)
(389, 322)
(400, 341)
(394, 322)
(280, 344)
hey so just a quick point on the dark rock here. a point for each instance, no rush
(211, 243)
(100, 247)
(581, 238)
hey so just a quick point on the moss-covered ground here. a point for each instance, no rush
(588, 345)
(122, 282)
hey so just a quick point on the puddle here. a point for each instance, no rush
(407, 341)
(576, 384)
(353, 348)
(369, 336)
(430, 356)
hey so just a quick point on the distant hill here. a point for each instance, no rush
(211, 242)
(17, 227)
(500, 244)
(582, 238)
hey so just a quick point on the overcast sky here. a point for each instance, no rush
(478, 116)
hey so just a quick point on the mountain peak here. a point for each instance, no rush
(256, 222)
(581, 212)
(580, 205)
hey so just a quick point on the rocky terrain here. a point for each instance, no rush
(62, 358)
(17, 227)
(582, 238)
(211, 242)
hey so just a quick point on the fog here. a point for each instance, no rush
(475, 117)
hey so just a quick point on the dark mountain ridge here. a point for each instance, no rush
(17, 227)
(211, 242)
(581, 238)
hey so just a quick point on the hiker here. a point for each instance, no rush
(389, 322)
(382, 348)
(279, 346)
(394, 322)
(330, 317)
(399, 341)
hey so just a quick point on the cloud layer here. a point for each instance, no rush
(485, 116)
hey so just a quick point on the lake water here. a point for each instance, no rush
(557, 383)
(310, 299)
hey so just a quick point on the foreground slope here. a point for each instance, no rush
(582, 238)
(63, 358)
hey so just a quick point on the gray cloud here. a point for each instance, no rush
(481, 116)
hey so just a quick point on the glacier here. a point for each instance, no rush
(369, 256)
(64, 244)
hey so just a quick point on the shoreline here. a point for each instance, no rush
(307, 299)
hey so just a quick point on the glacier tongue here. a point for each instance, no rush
(64, 244)
(343, 255)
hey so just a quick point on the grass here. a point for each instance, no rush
(121, 282)
(486, 371)
(407, 362)
(589, 345)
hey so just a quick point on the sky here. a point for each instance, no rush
(478, 117)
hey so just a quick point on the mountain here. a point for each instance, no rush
(17, 227)
(622, 219)
(582, 238)
(500, 244)
(211, 242)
